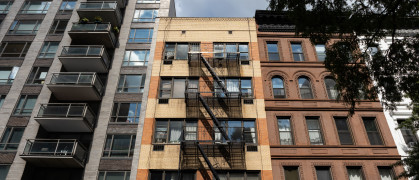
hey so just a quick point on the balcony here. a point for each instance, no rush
(109, 11)
(57, 117)
(76, 86)
(63, 153)
(93, 34)
(93, 58)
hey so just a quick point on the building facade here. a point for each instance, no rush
(205, 116)
(310, 134)
(73, 78)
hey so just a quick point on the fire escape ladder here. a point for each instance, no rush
(215, 120)
(214, 173)
(214, 75)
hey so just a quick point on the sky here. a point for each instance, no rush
(219, 8)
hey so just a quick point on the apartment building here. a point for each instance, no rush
(310, 134)
(205, 116)
(73, 75)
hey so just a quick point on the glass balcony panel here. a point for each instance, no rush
(62, 110)
(98, 5)
(90, 27)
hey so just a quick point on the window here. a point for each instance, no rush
(114, 175)
(131, 83)
(37, 75)
(67, 6)
(386, 173)
(140, 35)
(180, 50)
(285, 133)
(136, 58)
(126, 112)
(372, 131)
(238, 175)
(305, 88)
(8, 74)
(332, 92)
(408, 135)
(373, 50)
(4, 9)
(235, 86)
(344, 134)
(231, 50)
(291, 173)
(323, 173)
(24, 27)
(355, 173)
(175, 87)
(273, 53)
(2, 98)
(11, 138)
(314, 131)
(239, 131)
(58, 27)
(321, 52)
(173, 131)
(145, 15)
(4, 169)
(171, 175)
(297, 52)
(119, 146)
(25, 105)
(14, 49)
(35, 7)
(48, 50)
(278, 87)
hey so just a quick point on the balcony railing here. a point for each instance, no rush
(86, 51)
(58, 110)
(98, 5)
(83, 78)
(55, 148)
(91, 27)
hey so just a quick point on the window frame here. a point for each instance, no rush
(54, 27)
(192, 47)
(311, 87)
(219, 92)
(404, 129)
(155, 14)
(124, 76)
(13, 30)
(19, 112)
(329, 90)
(298, 171)
(7, 7)
(36, 72)
(319, 53)
(172, 85)
(283, 89)
(329, 169)
(291, 133)
(9, 136)
(7, 170)
(224, 51)
(245, 174)
(392, 173)
(65, 10)
(224, 124)
(355, 167)
(28, 3)
(127, 174)
(148, 39)
(319, 131)
(126, 63)
(12, 75)
(46, 54)
(349, 131)
(130, 150)
(300, 54)
(273, 53)
(115, 116)
(168, 126)
(147, 1)
(22, 54)
(164, 172)
(382, 143)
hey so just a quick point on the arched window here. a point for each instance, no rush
(332, 92)
(278, 87)
(305, 88)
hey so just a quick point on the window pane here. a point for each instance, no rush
(154, 175)
(385, 173)
(305, 88)
(115, 175)
(372, 131)
(321, 52)
(314, 131)
(355, 173)
(343, 131)
(408, 136)
(182, 51)
(175, 131)
(285, 135)
(179, 88)
(291, 173)
(332, 92)
(4, 169)
(323, 173)
(297, 52)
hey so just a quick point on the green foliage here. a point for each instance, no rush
(411, 162)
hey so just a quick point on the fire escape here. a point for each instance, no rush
(212, 148)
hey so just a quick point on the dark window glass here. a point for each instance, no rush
(131, 83)
(386, 173)
(314, 131)
(238, 175)
(8, 74)
(372, 131)
(285, 133)
(145, 15)
(126, 112)
(38, 75)
(355, 173)
(305, 88)
(235, 86)
(408, 135)
(323, 173)
(297, 51)
(119, 146)
(171, 175)
(14, 49)
(175, 130)
(238, 131)
(2, 98)
(278, 87)
(58, 27)
(4, 169)
(343, 131)
(332, 92)
(291, 173)
(35, 7)
(273, 53)
(25, 105)
(11, 138)
(24, 27)
(114, 175)
(140, 36)
(136, 58)
(321, 52)
(4, 9)
(48, 50)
